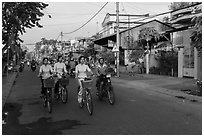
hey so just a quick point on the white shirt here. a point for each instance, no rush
(45, 70)
(81, 70)
(60, 67)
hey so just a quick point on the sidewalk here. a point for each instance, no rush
(7, 83)
(178, 87)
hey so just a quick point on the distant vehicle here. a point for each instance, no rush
(21, 66)
(10, 67)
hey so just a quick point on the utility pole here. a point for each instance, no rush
(118, 38)
(128, 31)
(97, 27)
(61, 42)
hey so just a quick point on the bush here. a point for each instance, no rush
(167, 61)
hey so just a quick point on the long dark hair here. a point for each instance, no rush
(81, 58)
(44, 59)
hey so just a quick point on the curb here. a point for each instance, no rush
(6, 88)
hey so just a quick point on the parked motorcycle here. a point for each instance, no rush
(105, 88)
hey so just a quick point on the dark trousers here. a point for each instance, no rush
(98, 81)
(57, 87)
(43, 89)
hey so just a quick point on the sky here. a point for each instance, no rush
(68, 16)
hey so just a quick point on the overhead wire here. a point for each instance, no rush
(88, 20)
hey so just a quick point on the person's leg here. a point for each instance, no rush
(43, 90)
(97, 82)
(56, 87)
(80, 90)
(80, 85)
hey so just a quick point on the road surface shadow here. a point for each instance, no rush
(44, 126)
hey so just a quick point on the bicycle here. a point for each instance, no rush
(63, 92)
(86, 94)
(47, 97)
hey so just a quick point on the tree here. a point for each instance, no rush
(146, 35)
(17, 16)
(196, 36)
(179, 5)
(90, 50)
(108, 56)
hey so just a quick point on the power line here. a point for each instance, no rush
(136, 8)
(168, 12)
(87, 21)
(58, 36)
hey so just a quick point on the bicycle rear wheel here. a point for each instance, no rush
(89, 103)
(64, 95)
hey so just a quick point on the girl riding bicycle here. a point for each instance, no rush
(44, 72)
(81, 73)
(59, 69)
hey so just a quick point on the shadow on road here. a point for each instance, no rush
(44, 126)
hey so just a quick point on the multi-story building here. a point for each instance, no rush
(126, 21)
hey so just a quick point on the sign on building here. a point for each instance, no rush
(110, 43)
(115, 49)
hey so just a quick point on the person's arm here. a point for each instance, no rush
(76, 71)
(40, 71)
(64, 66)
(51, 70)
(89, 70)
(55, 68)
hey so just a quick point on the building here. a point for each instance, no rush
(129, 37)
(126, 21)
(189, 61)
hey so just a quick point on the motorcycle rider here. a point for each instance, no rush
(101, 68)
(59, 69)
(33, 63)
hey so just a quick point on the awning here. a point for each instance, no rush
(178, 29)
(104, 40)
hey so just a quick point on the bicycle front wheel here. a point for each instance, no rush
(64, 95)
(80, 99)
(89, 102)
(49, 101)
(111, 95)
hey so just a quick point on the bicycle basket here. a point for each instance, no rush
(64, 81)
(88, 83)
(49, 83)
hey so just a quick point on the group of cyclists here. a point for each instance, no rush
(82, 70)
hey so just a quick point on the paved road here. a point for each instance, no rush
(137, 111)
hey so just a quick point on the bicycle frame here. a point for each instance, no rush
(86, 98)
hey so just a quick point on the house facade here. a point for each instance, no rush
(189, 61)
